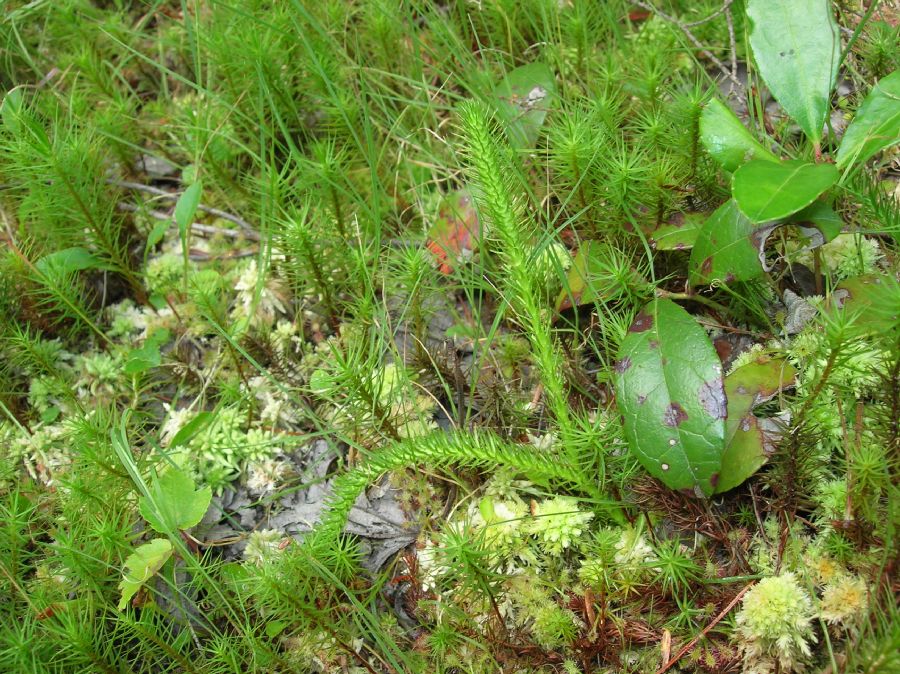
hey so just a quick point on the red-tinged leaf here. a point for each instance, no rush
(678, 232)
(749, 440)
(456, 232)
(731, 248)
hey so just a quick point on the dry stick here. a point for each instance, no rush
(715, 621)
(724, 7)
(235, 255)
(173, 196)
(848, 505)
(196, 227)
(732, 44)
(687, 31)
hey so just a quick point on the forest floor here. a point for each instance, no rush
(407, 336)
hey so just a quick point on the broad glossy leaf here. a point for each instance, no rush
(725, 249)
(456, 232)
(670, 392)
(766, 191)
(678, 232)
(174, 503)
(796, 47)
(523, 99)
(875, 298)
(141, 565)
(727, 140)
(876, 124)
(749, 441)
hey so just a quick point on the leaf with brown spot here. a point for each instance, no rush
(678, 232)
(724, 248)
(674, 415)
(731, 248)
(672, 398)
(623, 364)
(749, 439)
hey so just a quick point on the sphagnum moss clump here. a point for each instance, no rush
(775, 626)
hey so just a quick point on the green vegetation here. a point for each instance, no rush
(497, 336)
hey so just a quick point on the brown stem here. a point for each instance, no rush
(693, 642)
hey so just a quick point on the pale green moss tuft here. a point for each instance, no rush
(774, 626)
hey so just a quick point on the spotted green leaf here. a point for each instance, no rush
(141, 565)
(669, 389)
(731, 248)
(725, 250)
(797, 50)
(876, 124)
(726, 139)
(174, 503)
(749, 440)
(767, 191)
